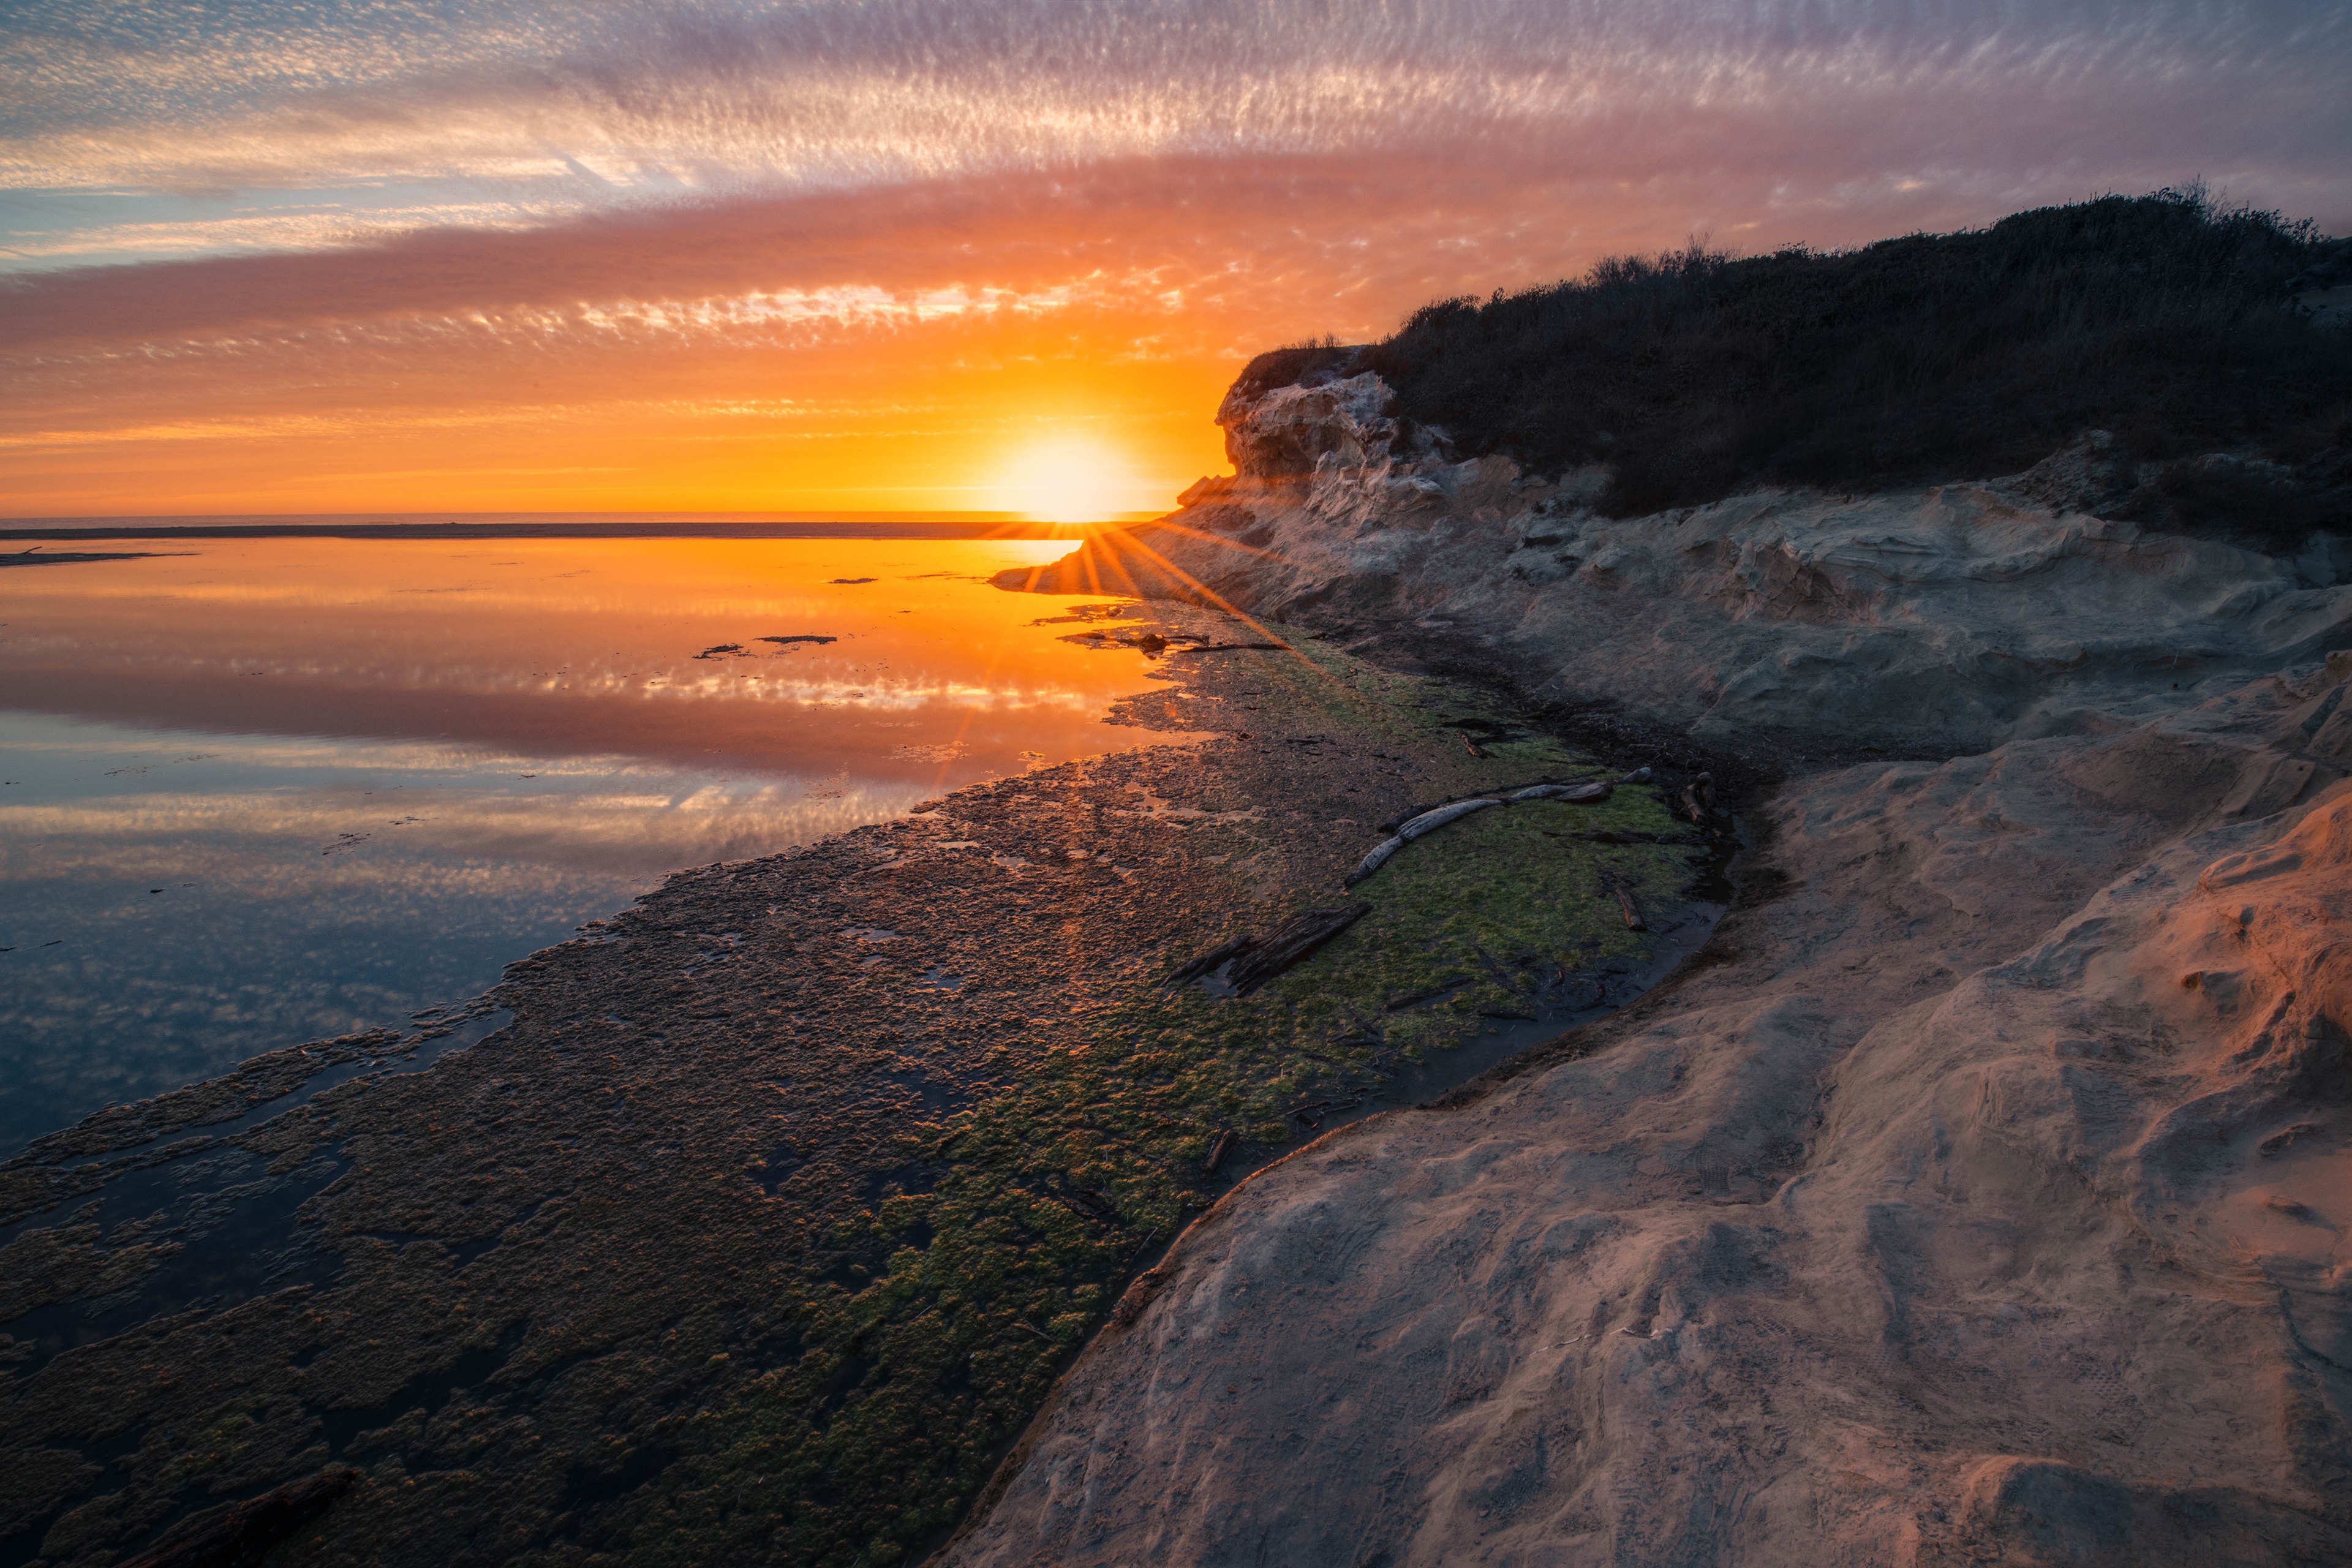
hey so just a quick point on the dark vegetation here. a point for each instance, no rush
(2165, 319)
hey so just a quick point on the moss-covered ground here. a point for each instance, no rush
(767, 1225)
(1018, 1218)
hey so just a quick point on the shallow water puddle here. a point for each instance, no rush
(276, 790)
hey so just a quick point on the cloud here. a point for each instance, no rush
(479, 213)
(666, 98)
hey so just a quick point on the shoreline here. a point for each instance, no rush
(1975, 1196)
(526, 528)
(647, 1057)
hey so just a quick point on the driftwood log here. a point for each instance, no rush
(1208, 963)
(1590, 793)
(1429, 821)
(1376, 857)
(1289, 943)
(1574, 795)
(1698, 799)
(1253, 961)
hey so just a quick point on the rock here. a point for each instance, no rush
(1978, 1198)
(1291, 431)
(1820, 1253)
(1951, 616)
(2090, 475)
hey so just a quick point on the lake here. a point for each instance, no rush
(256, 792)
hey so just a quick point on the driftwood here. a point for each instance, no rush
(1590, 792)
(1473, 746)
(1373, 861)
(1628, 906)
(1290, 942)
(1257, 960)
(1574, 795)
(1414, 829)
(1091, 1205)
(1449, 983)
(1207, 962)
(1698, 798)
(804, 637)
(1217, 1152)
(1428, 821)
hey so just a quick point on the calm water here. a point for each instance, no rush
(270, 790)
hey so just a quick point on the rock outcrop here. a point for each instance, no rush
(1982, 1195)
(1948, 617)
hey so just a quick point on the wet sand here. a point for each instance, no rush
(768, 1221)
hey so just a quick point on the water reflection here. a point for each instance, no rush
(274, 789)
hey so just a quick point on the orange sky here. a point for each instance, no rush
(833, 257)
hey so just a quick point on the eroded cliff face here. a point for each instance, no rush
(1983, 1194)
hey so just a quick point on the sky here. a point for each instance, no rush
(951, 256)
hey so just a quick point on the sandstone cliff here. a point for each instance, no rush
(1982, 1195)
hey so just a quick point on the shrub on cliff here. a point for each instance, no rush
(2164, 318)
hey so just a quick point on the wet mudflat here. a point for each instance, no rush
(766, 1221)
(256, 792)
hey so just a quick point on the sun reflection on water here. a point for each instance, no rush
(269, 790)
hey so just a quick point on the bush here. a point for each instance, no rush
(2164, 318)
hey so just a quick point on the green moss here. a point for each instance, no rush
(944, 1315)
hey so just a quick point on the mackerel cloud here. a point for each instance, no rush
(432, 188)
(574, 108)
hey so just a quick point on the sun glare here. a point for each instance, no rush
(1068, 479)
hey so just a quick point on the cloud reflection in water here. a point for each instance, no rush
(259, 794)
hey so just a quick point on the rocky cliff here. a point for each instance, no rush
(1983, 1192)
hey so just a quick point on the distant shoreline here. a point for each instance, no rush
(529, 527)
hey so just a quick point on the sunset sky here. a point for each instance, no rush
(286, 256)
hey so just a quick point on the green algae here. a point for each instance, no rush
(1023, 1213)
(693, 1355)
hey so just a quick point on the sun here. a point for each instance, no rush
(1068, 479)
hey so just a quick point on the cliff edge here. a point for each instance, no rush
(1982, 1194)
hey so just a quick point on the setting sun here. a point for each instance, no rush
(1070, 480)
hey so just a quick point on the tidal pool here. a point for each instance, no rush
(256, 792)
